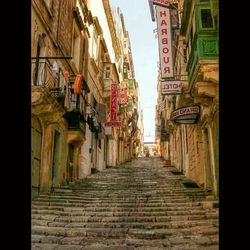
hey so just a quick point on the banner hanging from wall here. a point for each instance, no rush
(123, 96)
(113, 107)
(171, 87)
(164, 41)
(186, 115)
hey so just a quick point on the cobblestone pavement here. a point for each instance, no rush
(142, 204)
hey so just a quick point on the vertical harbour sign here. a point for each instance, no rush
(164, 41)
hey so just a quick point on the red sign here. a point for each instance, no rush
(113, 107)
(113, 124)
(123, 96)
(77, 85)
(113, 102)
(163, 3)
(165, 41)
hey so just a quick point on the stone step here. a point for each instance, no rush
(110, 204)
(120, 219)
(93, 246)
(143, 206)
(114, 198)
(118, 209)
(121, 199)
(81, 212)
(134, 225)
(138, 233)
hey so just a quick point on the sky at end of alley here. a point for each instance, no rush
(144, 48)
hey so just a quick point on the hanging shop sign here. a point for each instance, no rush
(163, 3)
(186, 115)
(113, 107)
(113, 124)
(123, 96)
(113, 101)
(77, 84)
(171, 87)
(164, 41)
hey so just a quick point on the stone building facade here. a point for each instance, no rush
(193, 148)
(74, 44)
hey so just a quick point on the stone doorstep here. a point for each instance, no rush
(210, 204)
(62, 190)
(40, 246)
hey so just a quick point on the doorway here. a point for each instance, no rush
(207, 161)
(36, 143)
(56, 158)
(70, 163)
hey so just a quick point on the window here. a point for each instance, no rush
(206, 18)
(174, 17)
(107, 73)
(185, 55)
(191, 34)
(95, 45)
(76, 46)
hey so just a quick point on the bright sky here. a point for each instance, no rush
(144, 47)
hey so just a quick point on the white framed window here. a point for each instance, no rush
(107, 72)
(206, 19)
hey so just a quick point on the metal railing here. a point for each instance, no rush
(44, 75)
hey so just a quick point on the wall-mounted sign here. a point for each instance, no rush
(123, 96)
(113, 124)
(171, 87)
(113, 102)
(163, 3)
(78, 84)
(186, 115)
(164, 41)
(113, 107)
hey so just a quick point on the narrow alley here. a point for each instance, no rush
(141, 204)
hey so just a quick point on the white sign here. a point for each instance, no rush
(171, 87)
(186, 115)
(164, 3)
(164, 41)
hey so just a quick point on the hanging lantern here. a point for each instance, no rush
(77, 85)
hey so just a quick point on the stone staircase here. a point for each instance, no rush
(140, 205)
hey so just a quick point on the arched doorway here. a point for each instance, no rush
(36, 144)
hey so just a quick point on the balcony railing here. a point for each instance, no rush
(54, 81)
(44, 75)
